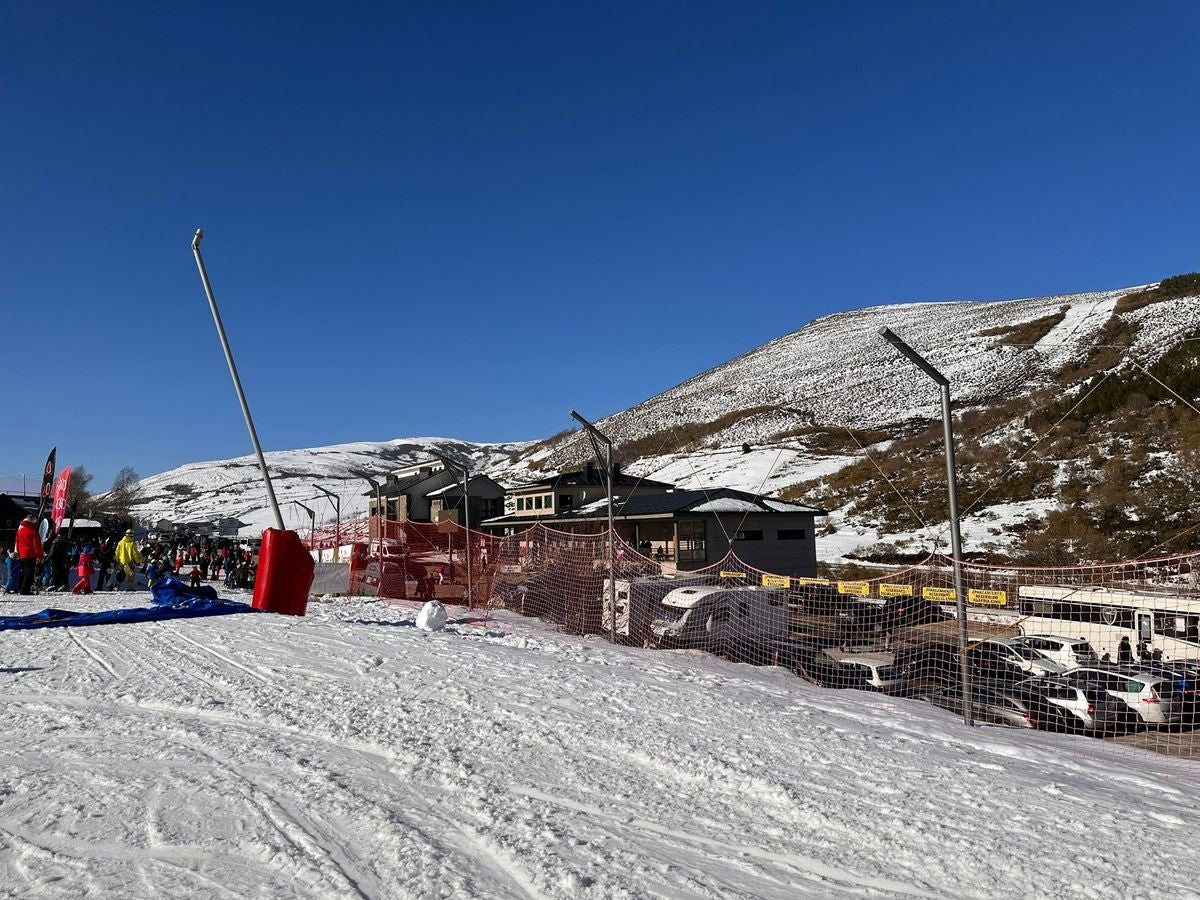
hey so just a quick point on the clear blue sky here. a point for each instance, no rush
(463, 219)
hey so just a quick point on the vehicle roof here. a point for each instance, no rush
(1054, 637)
(871, 659)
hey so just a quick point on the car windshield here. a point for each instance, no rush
(1024, 652)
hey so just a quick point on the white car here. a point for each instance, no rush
(1067, 652)
(1152, 697)
(879, 670)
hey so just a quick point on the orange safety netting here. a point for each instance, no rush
(1092, 651)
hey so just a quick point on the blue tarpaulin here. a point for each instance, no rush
(172, 600)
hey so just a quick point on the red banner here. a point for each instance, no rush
(58, 511)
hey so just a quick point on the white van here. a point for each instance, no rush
(738, 621)
(638, 601)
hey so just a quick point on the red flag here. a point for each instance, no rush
(59, 510)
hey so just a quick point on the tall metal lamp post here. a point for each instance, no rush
(597, 437)
(312, 528)
(375, 486)
(960, 598)
(465, 472)
(337, 528)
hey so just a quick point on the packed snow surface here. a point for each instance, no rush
(348, 754)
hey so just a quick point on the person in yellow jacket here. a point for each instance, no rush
(128, 558)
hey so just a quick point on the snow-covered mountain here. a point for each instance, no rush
(835, 373)
(233, 487)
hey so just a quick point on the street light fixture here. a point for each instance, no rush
(943, 384)
(375, 486)
(596, 437)
(337, 528)
(452, 466)
(312, 528)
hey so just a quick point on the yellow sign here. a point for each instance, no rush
(895, 590)
(861, 588)
(812, 581)
(777, 581)
(939, 595)
(733, 574)
(987, 598)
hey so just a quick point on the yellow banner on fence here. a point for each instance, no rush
(812, 581)
(939, 595)
(987, 598)
(781, 581)
(860, 588)
(895, 590)
(733, 574)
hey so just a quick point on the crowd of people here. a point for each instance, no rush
(84, 566)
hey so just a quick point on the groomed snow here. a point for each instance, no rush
(347, 754)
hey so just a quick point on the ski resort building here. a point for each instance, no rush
(428, 492)
(690, 529)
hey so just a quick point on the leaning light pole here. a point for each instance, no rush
(452, 466)
(237, 382)
(597, 437)
(960, 598)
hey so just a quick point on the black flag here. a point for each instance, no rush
(47, 492)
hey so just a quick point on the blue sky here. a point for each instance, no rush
(464, 219)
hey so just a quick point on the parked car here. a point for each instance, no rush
(1067, 652)
(1089, 707)
(860, 620)
(1003, 705)
(878, 670)
(1152, 697)
(1004, 657)
(1186, 680)
(929, 666)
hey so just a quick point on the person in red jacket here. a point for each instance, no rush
(85, 568)
(29, 551)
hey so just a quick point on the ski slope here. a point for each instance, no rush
(347, 754)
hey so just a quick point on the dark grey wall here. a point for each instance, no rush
(791, 557)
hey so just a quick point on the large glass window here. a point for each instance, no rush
(691, 541)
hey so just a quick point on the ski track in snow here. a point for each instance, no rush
(346, 754)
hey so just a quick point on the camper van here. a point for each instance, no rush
(740, 621)
(638, 603)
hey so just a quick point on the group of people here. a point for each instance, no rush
(31, 568)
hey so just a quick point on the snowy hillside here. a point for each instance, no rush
(835, 372)
(838, 371)
(209, 490)
(347, 754)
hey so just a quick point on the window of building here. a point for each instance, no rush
(537, 502)
(549, 501)
(791, 534)
(748, 535)
(566, 502)
(520, 504)
(692, 541)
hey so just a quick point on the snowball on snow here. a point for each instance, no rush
(432, 616)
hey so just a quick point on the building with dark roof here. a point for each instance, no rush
(428, 492)
(691, 528)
